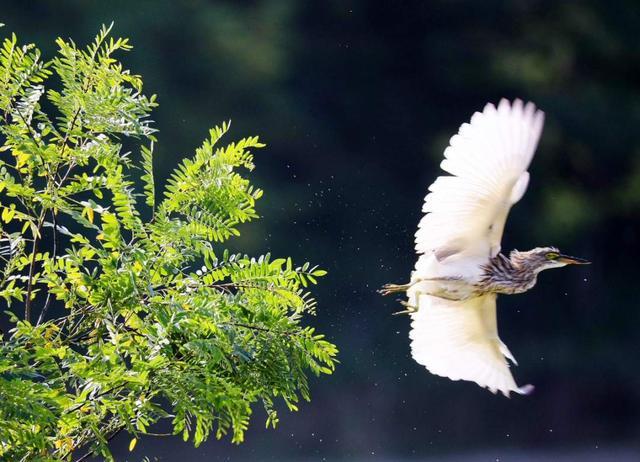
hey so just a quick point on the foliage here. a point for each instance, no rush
(114, 327)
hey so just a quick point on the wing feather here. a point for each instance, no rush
(459, 340)
(487, 160)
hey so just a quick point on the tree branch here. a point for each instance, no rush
(258, 328)
(45, 308)
(90, 453)
(34, 251)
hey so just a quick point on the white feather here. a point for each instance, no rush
(465, 214)
(488, 161)
(459, 340)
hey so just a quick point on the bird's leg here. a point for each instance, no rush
(393, 288)
(442, 278)
(443, 296)
(409, 308)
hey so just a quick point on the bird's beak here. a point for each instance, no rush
(572, 260)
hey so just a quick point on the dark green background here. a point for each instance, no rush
(357, 100)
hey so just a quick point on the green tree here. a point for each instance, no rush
(125, 309)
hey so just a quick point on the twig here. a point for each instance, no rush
(29, 128)
(34, 250)
(258, 328)
(55, 246)
(99, 395)
(112, 436)
(64, 146)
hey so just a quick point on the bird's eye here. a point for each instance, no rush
(551, 255)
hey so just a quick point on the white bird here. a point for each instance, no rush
(460, 270)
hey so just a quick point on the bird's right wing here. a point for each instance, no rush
(459, 340)
(488, 161)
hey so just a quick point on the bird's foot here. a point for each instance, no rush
(393, 288)
(409, 308)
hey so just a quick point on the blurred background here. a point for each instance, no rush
(357, 100)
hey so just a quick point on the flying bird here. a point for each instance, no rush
(460, 270)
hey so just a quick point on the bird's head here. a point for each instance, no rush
(542, 258)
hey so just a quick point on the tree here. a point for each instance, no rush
(125, 308)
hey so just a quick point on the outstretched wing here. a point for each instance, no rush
(459, 340)
(488, 161)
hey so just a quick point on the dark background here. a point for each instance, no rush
(357, 100)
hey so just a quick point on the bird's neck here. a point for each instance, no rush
(504, 275)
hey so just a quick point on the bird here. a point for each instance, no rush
(460, 270)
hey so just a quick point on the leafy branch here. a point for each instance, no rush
(118, 321)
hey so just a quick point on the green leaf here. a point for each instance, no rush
(147, 178)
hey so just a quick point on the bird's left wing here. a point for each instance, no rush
(459, 340)
(488, 161)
